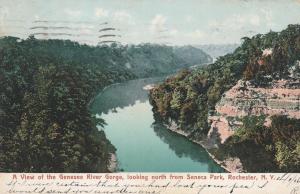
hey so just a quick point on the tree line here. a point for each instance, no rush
(190, 96)
(46, 86)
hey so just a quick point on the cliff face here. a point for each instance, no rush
(250, 95)
(244, 99)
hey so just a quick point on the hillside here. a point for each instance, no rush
(190, 55)
(148, 60)
(46, 86)
(217, 50)
(214, 105)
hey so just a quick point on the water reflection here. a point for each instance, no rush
(184, 148)
(122, 95)
(143, 144)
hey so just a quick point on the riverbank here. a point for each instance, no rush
(146, 87)
(113, 163)
(232, 165)
(139, 142)
(100, 91)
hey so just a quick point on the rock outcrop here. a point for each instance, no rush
(244, 99)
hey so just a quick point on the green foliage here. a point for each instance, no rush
(250, 124)
(285, 51)
(188, 97)
(189, 55)
(278, 144)
(45, 89)
(46, 86)
(147, 60)
(204, 87)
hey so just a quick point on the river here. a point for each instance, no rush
(142, 144)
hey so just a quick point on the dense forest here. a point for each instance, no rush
(148, 60)
(46, 86)
(265, 149)
(190, 96)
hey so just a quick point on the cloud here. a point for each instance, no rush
(268, 17)
(123, 16)
(4, 11)
(188, 19)
(158, 23)
(37, 17)
(254, 20)
(237, 22)
(73, 13)
(120, 16)
(173, 32)
(100, 12)
(196, 34)
(231, 28)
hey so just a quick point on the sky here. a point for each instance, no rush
(172, 22)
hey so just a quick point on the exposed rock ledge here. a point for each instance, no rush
(232, 165)
(113, 163)
(244, 99)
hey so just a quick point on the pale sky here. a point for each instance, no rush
(175, 22)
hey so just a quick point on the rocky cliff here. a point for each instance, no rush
(243, 106)
(280, 97)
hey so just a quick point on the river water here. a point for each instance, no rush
(142, 144)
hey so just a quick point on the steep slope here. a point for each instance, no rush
(244, 99)
(46, 86)
(265, 73)
(45, 125)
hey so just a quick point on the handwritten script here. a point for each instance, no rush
(149, 183)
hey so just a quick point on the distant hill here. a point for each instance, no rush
(46, 86)
(192, 55)
(217, 50)
(146, 60)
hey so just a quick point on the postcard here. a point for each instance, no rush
(149, 96)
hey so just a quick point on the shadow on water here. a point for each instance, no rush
(140, 140)
(122, 95)
(184, 148)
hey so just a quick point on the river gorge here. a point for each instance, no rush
(144, 145)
